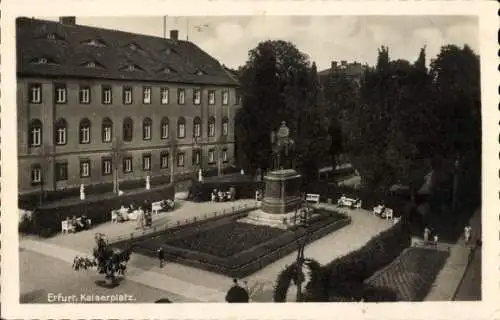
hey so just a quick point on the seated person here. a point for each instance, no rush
(220, 195)
(86, 222)
(74, 222)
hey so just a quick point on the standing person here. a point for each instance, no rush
(140, 218)
(467, 234)
(427, 233)
(161, 256)
(436, 239)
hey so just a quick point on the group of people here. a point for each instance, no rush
(79, 224)
(221, 196)
(427, 236)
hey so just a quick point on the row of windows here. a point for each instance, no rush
(61, 168)
(61, 129)
(61, 95)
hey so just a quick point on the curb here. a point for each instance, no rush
(455, 292)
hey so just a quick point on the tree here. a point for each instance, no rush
(278, 84)
(108, 260)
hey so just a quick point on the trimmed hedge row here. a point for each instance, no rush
(47, 221)
(200, 192)
(344, 276)
(31, 200)
(289, 275)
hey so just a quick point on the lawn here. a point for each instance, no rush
(228, 239)
(232, 248)
(411, 275)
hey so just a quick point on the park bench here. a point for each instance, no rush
(156, 207)
(383, 212)
(349, 202)
(311, 197)
(67, 227)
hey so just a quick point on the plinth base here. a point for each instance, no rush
(275, 220)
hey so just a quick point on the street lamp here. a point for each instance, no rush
(301, 222)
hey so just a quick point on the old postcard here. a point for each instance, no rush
(249, 159)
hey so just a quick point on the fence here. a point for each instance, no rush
(173, 226)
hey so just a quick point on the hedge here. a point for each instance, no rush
(344, 276)
(47, 221)
(31, 200)
(289, 275)
(244, 189)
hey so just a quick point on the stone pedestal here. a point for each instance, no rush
(281, 200)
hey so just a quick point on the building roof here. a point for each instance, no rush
(52, 49)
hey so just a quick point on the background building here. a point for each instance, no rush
(353, 71)
(93, 104)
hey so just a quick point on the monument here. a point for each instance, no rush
(82, 192)
(282, 196)
(148, 183)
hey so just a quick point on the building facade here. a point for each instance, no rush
(95, 105)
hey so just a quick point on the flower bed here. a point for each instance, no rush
(411, 275)
(232, 248)
(47, 221)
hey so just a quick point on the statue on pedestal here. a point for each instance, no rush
(82, 192)
(148, 183)
(282, 148)
(200, 175)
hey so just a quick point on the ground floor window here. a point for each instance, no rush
(107, 167)
(36, 174)
(164, 160)
(211, 156)
(61, 171)
(127, 165)
(180, 160)
(84, 168)
(146, 162)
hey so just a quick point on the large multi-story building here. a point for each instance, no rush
(95, 104)
(353, 71)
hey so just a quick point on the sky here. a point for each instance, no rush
(322, 38)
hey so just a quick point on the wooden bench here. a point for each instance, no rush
(67, 227)
(349, 202)
(157, 207)
(311, 197)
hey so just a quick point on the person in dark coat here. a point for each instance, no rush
(237, 294)
(161, 256)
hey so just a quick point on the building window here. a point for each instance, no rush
(36, 174)
(181, 96)
(61, 171)
(127, 95)
(211, 156)
(85, 131)
(164, 160)
(180, 159)
(60, 93)
(128, 129)
(61, 132)
(127, 165)
(196, 157)
(197, 127)
(84, 95)
(84, 168)
(107, 130)
(35, 93)
(35, 138)
(196, 96)
(146, 162)
(225, 126)
(146, 129)
(211, 127)
(225, 97)
(181, 128)
(165, 130)
(164, 95)
(146, 95)
(107, 95)
(107, 167)
(224, 155)
(211, 97)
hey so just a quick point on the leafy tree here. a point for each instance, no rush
(108, 260)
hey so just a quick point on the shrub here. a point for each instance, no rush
(289, 274)
(47, 220)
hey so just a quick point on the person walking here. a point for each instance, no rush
(427, 233)
(467, 234)
(161, 256)
(436, 239)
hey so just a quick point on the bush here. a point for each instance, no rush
(344, 276)
(201, 191)
(47, 221)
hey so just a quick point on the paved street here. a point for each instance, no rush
(183, 283)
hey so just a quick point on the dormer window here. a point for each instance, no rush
(51, 36)
(200, 73)
(42, 60)
(91, 64)
(131, 68)
(167, 70)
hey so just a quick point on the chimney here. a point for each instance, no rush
(174, 35)
(344, 63)
(334, 65)
(67, 20)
